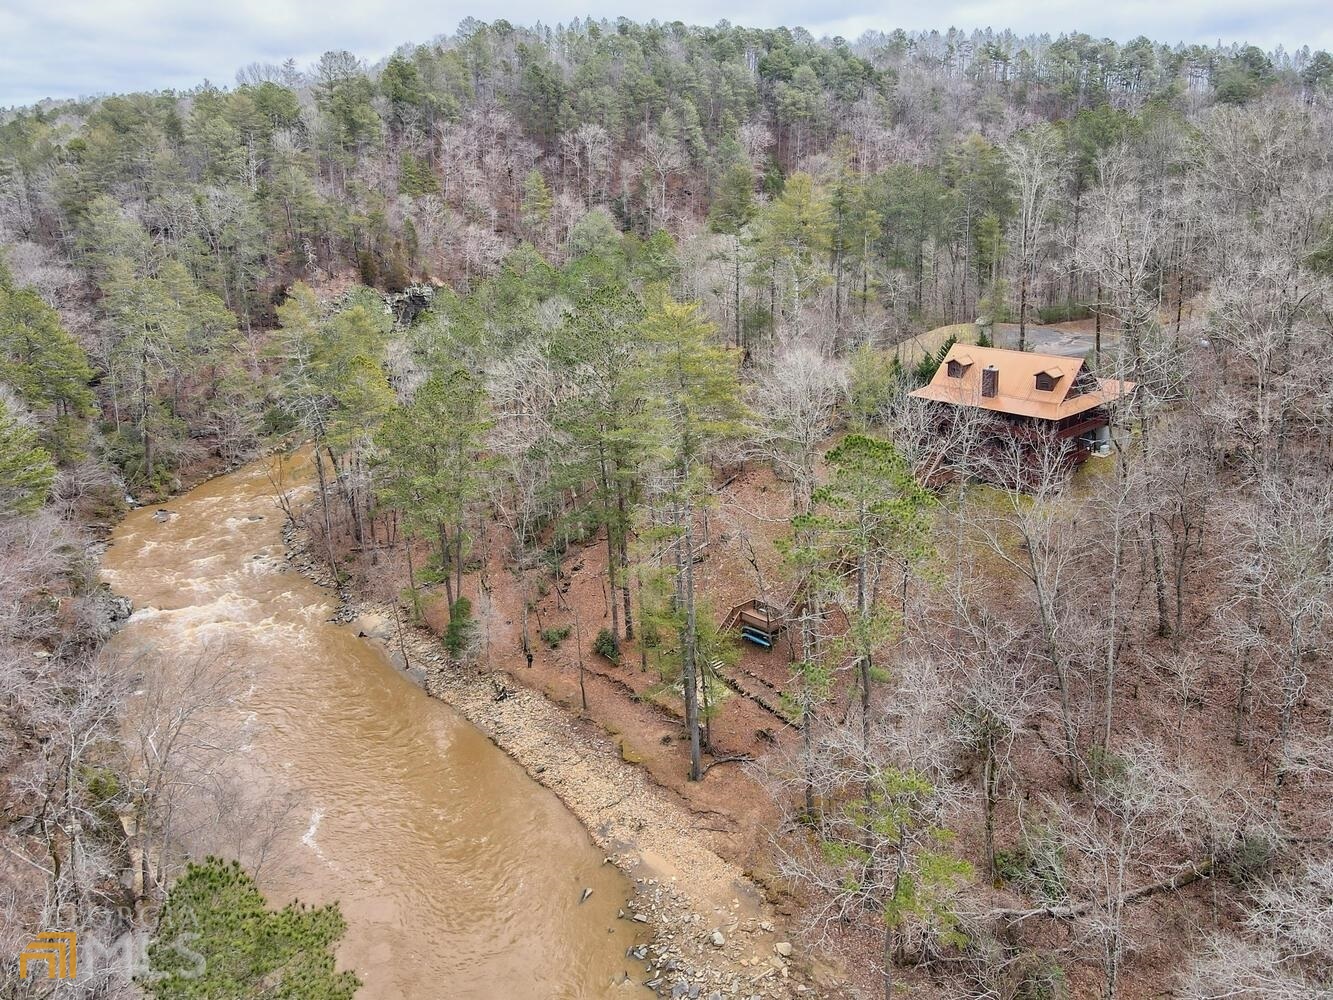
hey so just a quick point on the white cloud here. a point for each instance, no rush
(69, 48)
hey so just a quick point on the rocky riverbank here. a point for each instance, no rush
(714, 936)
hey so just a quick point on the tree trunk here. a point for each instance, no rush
(808, 724)
(685, 560)
(1023, 309)
(990, 780)
(445, 546)
(736, 266)
(887, 958)
(324, 509)
(623, 539)
(1113, 616)
(1159, 577)
(611, 552)
(458, 559)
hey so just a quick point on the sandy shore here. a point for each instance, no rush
(714, 935)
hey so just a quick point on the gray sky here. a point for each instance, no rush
(72, 48)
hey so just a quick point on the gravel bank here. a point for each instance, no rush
(714, 936)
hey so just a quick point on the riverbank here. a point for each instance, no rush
(340, 779)
(714, 935)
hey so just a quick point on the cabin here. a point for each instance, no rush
(1030, 393)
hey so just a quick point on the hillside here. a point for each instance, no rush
(595, 334)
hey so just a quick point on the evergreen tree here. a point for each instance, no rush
(791, 240)
(216, 938)
(43, 363)
(432, 468)
(26, 469)
(694, 387)
(732, 210)
(602, 416)
(874, 512)
(536, 205)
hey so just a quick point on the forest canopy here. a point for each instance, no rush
(651, 301)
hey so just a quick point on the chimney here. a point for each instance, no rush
(990, 381)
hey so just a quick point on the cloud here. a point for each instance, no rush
(72, 48)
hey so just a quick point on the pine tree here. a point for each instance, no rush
(216, 937)
(792, 236)
(42, 362)
(878, 848)
(732, 210)
(874, 512)
(536, 205)
(432, 469)
(26, 470)
(601, 416)
(46, 366)
(694, 388)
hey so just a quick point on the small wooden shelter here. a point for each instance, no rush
(759, 622)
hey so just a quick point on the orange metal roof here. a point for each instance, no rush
(1017, 392)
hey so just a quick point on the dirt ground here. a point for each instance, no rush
(733, 814)
(625, 700)
(1175, 702)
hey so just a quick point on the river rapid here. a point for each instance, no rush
(459, 876)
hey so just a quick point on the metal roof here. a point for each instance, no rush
(1017, 392)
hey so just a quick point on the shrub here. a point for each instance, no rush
(1044, 981)
(1036, 867)
(607, 645)
(553, 637)
(930, 363)
(1248, 858)
(458, 636)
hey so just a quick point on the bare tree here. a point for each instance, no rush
(796, 399)
(177, 739)
(1284, 581)
(1035, 163)
(1033, 531)
(663, 158)
(1286, 951)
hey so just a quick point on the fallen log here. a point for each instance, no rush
(1194, 872)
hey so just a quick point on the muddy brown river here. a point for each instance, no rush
(458, 875)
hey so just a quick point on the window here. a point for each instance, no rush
(1046, 379)
(957, 365)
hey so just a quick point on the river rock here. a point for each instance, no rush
(118, 607)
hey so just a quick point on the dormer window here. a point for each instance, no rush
(958, 365)
(1046, 380)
